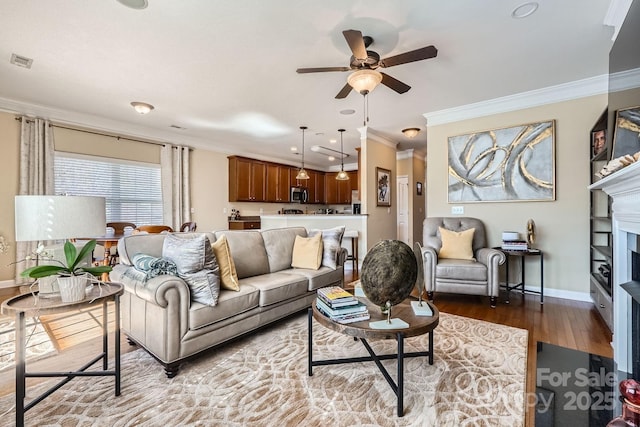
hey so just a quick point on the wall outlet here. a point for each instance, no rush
(261, 210)
(457, 210)
(193, 210)
(224, 210)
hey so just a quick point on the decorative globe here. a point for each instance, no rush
(389, 272)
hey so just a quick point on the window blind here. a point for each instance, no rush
(132, 190)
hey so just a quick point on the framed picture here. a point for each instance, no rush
(626, 134)
(503, 165)
(384, 187)
(419, 188)
(598, 141)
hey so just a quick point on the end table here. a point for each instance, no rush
(32, 306)
(521, 285)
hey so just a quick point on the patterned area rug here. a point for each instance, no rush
(477, 379)
(39, 344)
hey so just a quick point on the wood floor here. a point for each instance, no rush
(566, 323)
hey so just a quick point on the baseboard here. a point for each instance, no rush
(4, 284)
(560, 293)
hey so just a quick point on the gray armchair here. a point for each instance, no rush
(475, 277)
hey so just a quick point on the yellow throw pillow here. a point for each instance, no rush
(456, 244)
(307, 252)
(228, 275)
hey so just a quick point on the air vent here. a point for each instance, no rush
(177, 127)
(21, 61)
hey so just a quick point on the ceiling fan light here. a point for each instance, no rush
(364, 81)
(142, 107)
(342, 176)
(410, 132)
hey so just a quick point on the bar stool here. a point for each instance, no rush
(353, 257)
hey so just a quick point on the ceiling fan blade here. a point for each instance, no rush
(346, 90)
(394, 84)
(321, 69)
(356, 44)
(412, 56)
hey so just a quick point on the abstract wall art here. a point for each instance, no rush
(626, 136)
(503, 165)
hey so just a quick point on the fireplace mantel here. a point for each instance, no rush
(624, 188)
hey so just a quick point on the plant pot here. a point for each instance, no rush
(72, 288)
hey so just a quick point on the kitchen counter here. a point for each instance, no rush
(322, 221)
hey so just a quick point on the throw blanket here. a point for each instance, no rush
(152, 266)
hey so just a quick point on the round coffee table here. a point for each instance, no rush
(418, 325)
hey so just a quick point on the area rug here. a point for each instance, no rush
(39, 343)
(477, 379)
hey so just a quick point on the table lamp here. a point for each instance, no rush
(42, 218)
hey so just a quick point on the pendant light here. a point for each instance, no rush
(302, 174)
(342, 175)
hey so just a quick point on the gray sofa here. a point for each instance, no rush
(160, 316)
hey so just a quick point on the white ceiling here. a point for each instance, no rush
(225, 70)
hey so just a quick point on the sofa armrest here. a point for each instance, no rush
(492, 258)
(430, 260)
(341, 256)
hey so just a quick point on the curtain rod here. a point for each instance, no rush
(117, 137)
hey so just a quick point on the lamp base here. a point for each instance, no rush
(421, 310)
(391, 324)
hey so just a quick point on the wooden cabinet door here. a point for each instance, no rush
(344, 191)
(271, 191)
(319, 196)
(283, 193)
(258, 178)
(330, 188)
(241, 180)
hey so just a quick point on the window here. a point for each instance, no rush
(132, 189)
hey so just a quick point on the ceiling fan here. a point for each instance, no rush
(363, 59)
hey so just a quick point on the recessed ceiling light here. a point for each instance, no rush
(524, 10)
(294, 148)
(142, 107)
(331, 158)
(333, 140)
(315, 148)
(347, 112)
(135, 4)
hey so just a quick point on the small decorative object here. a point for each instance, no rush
(531, 232)
(384, 187)
(420, 308)
(68, 289)
(617, 164)
(630, 392)
(388, 275)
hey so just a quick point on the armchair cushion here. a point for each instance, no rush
(456, 244)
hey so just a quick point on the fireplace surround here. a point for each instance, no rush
(624, 188)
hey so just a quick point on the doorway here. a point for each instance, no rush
(402, 184)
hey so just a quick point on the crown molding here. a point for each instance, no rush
(376, 137)
(550, 95)
(624, 80)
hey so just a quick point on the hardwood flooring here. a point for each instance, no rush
(566, 323)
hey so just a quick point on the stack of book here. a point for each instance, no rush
(515, 245)
(340, 305)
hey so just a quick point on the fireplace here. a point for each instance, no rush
(633, 289)
(624, 188)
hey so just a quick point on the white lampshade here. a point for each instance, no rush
(364, 81)
(59, 217)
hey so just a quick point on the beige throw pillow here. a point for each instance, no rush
(228, 274)
(307, 252)
(456, 244)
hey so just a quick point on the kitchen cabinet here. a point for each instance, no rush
(315, 184)
(339, 192)
(246, 180)
(278, 183)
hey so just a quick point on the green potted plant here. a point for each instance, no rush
(72, 278)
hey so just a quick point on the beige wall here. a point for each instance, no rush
(382, 221)
(562, 225)
(419, 211)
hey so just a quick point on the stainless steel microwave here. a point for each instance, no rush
(299, 195)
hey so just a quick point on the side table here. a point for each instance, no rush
(521, 285)
(32, 306)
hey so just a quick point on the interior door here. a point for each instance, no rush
(403, 209)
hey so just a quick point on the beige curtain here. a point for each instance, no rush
(36, 173)
(176, 191)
